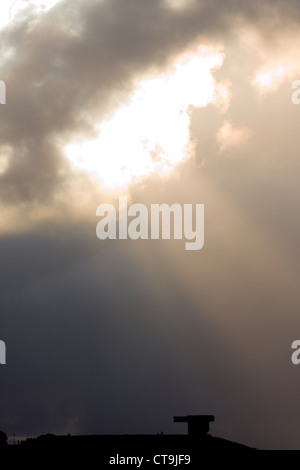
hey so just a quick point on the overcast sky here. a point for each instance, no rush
(163, 101)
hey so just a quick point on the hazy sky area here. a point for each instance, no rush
(175, 101)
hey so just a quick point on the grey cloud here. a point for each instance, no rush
(77, 63)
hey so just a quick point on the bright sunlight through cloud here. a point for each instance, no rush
(152, 133)
(10, 8)
(270, 78)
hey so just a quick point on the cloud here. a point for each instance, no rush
(229, 136)
(74, 66)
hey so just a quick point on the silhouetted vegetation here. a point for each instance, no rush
(3, 439)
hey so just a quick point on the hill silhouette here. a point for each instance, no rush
(173, 450)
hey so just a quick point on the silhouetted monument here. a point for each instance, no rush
(198, 425)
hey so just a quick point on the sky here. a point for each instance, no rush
(168, 101)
